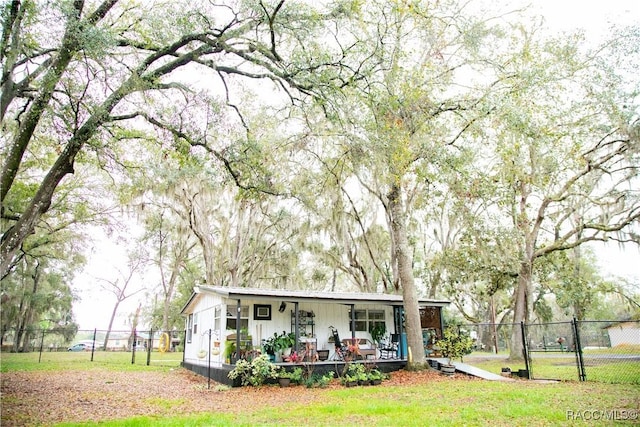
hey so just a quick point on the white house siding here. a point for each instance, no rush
(326, 314)
(203, 311)
(337, 315)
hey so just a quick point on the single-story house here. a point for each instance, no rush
(121, 341)
(118, 341)
(220, 320)
(626, 332)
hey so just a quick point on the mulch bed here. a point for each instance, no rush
(36, 398)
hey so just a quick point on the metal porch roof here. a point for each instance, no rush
(322, 297)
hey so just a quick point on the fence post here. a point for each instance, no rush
(184, 346)
(525, 349)
(582, 375)
(93, 346)
(133, 348)
(149, 347)
(41, 343)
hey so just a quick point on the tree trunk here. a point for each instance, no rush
(13, 238)
(29, 316)
(170, 288)
(17, 338)
(521, 309)
(113, 316)
(238, 246)
(206, 241)
(405, 273)
(28, 124)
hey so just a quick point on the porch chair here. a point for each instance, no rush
(426, 341)
(429, 338)
(389, 347)
(340, 349)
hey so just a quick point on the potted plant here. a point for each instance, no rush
(297, 375)
(284, 378)
(269, 346)
(453, 345)
(375, 376)
(295, 357)
(378, 332)
(216, 348)
(363, 378)
(349, 380)
(351, 373)
(358, 372)
(284, 343)
(244, 334)
(229, 349)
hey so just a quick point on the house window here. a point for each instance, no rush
(195, 323)
(217, 311)
(232, 320)
(361, 320)
(189, 325)
(376, 318)
(366, 320)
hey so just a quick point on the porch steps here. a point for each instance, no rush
(476, 372)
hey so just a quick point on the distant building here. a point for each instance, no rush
(624, 333)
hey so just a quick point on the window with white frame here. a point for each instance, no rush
(195, 323)
(366, 320)
(232, 317)
(189, 326)
(217, 312)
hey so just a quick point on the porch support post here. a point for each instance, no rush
(400, 330)
(353, 323)
(296, 326)
(238, 312)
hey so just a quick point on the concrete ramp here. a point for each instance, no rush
(480, 373)
(476, 372)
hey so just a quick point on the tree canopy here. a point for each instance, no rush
(424, 148)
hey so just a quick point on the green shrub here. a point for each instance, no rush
(296, 375)
(317, 380)
(454, 344)
(375, 374)
(254, 373)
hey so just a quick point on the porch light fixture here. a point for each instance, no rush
(283, 306)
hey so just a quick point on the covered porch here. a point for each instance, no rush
(227, 324)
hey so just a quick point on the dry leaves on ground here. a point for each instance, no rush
(30, 398)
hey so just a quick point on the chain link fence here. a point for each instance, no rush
(600, 351)
(150, 347)
(610, 351)
(489, 338)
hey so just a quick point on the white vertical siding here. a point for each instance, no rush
(336, 315)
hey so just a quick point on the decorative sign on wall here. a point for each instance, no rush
(262, 311)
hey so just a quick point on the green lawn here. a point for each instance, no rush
(82, 360)
(450, 402)
(600, 366)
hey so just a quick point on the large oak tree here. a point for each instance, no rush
(80, 73)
